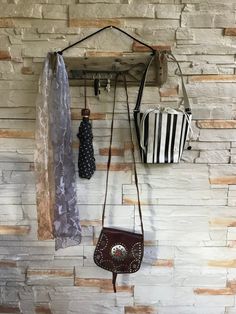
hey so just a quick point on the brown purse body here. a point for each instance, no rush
(120, 251)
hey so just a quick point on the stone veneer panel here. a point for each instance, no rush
(189, 263)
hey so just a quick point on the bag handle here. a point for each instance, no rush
(132, 149)
(143, 81)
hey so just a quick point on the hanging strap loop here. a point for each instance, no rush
(102, 29)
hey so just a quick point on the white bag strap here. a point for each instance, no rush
(186, 102)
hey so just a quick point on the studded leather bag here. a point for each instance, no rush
(120, 251)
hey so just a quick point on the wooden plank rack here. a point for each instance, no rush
(104, 68)
(104, 65)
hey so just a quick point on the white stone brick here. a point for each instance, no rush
(231, 274)
(55, 30)
(17, 124)
(11, 144)
(94, 212)
(173, 170)
(55, 12)
(11, 212)
(233, 159)
(99, 1)
(218, 135)
(203, 49)
(12, 274)
(21, 10)
(178, 197)
(20, 156)
(190, 309)
(188, 223)
(25, 253)
(211, 110)
(163, 296)
(189, 156)
(13, 98)
(163, 36)
(154, 1)
(151, 275)
(214, 300)
(214, 157)
(6, 67)
(42, 50)
(207, 253)
(170, 181)
(153, 253)
(168, 11)
(94, 307)
(222, 170)
(207, 20)
(209, 146)
(207, 59)
(211, 89)
(88, 11)
(231, 234)
(95, 194)
(41, 280)
(231, 310)
(178, 211)
(18, 177)
(232, 196)
(151, 23)
(209, 36)
(200, 277)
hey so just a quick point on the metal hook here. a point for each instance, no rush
(108, 86)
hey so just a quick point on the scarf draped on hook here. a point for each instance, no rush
(58, 215)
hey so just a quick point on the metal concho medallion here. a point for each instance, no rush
(118, 252)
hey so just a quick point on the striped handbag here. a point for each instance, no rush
(162, 131)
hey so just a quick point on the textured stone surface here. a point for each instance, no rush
(5, 55)
(216, 124)
(15, 230)
(214, 78)
(189, 263)
(87, 23)
(207, 19)
(168, 11)
(21, 10)
(216, 157)
(230, 32)
(89, 11)
(56, 12)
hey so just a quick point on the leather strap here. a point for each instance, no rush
(142, 84)
(132, 149)
(185, 100)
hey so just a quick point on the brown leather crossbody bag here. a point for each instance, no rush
(120, 251)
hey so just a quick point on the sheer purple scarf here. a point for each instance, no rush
(58, 214)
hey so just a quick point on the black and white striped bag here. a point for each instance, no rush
(162, 132)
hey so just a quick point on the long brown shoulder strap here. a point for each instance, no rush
(132, 149)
